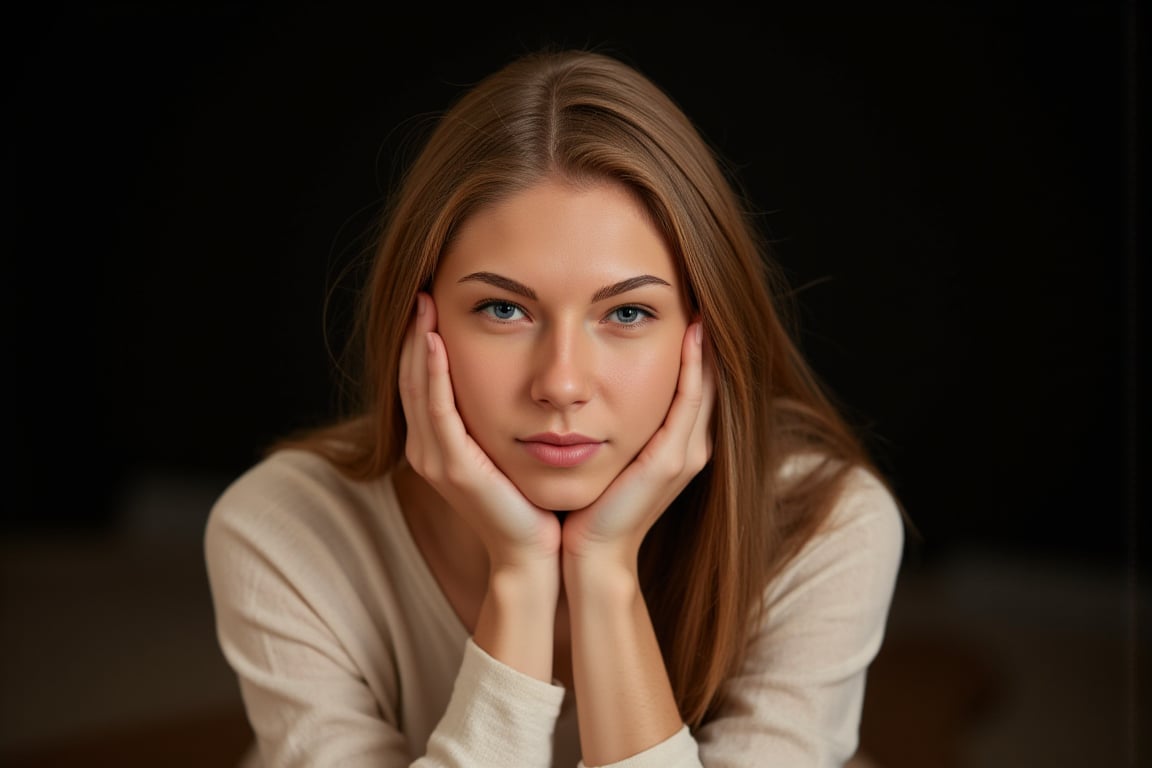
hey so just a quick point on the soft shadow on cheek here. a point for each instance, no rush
(479, 380)
(649, 380)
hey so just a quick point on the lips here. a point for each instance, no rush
(556, 450)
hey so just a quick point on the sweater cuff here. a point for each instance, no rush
(677, 751)
(497, 716)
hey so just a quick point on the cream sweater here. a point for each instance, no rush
(348, 654)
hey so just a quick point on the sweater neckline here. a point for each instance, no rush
(423, 581)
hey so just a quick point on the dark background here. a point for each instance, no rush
(955, 193)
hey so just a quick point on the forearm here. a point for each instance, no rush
(624, 698)
(517, 619)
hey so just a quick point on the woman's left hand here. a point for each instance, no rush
(615, 524)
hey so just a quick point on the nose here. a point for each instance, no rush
(563, 368)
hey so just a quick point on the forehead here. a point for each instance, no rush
(557, 231)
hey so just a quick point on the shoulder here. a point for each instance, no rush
(866, 512)
(292, 504)
(863, 501)
(290, 480)
(859, 546)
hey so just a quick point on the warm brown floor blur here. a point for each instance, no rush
(188, 742)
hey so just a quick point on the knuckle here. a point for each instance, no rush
(408, 389)
(415, 456)
(699, 458)
(432, 471)
(455, 474)
(673, 469)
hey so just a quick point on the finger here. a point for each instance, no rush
(700, 443)
(413, 375)
(684, 412)
(666, 453)
(444, 419)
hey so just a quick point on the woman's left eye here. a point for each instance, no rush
(629, 315)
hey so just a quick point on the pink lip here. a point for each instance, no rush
(556, 450)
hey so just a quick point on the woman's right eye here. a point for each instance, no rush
(504, 311)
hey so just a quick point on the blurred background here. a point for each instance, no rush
(956, 194)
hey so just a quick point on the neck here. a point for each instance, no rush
(446, 539)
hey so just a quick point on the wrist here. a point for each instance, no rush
(583, 554)
(527, 586)
(518, 616)
(601, 581)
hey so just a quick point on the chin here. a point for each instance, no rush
(561, 495)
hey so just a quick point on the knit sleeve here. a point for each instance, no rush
(289, 623)
(677, 751)
(797, 699)
(497, 717)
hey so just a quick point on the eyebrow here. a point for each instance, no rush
(606, 292)
(624, 286)
(500, 281)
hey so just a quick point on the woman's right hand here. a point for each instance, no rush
(516, 621)
(515, 532)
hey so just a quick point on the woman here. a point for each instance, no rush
(594, 507)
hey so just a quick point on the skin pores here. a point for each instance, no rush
(563, 318)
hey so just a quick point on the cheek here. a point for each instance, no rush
(480, 389)
(645, 385)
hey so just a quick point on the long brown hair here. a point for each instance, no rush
(584, 115)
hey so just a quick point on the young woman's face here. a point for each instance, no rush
(562, 313)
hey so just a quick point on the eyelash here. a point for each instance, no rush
(483, 307)
(645, 317)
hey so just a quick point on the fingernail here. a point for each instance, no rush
(699, 332)
(431, 342)
(420, 308)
